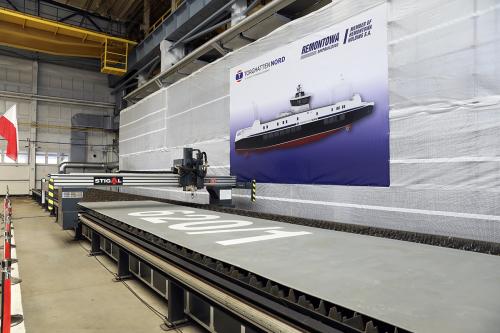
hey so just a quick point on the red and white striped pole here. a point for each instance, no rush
(5, 209)
(6, 296)
(8, 319)
(6, 268)
(7, 237)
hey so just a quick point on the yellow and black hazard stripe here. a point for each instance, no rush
(50, 201)
(253, 196)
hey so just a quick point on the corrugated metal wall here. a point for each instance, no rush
(444, 79)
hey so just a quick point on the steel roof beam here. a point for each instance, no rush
(234, 31)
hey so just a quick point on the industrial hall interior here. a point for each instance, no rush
(250, 166)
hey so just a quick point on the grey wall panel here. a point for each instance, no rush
(73, 83)
(444, 84)
(53, 118)
(15, 75)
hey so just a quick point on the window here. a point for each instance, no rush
(63, 158)
(22, 157)
(7, 159)
(51, 158)
(338, 107)
(40, 158)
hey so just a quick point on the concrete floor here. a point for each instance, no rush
(64, 290)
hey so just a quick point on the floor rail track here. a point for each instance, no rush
(309, 312)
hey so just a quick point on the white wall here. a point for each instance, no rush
(47, 96)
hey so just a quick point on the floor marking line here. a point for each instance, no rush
(230, 230)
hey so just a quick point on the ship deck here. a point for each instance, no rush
(418, 287)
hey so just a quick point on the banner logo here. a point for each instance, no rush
(112, 181)
(260, 69)
(239, 76)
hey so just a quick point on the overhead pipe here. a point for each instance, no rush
(54, 99)
(243, 25)
(208, 19)
(87, 165)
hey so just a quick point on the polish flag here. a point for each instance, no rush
(8, 130)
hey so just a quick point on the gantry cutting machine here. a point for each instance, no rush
(188, 173)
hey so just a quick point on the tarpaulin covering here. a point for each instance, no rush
(444, 85)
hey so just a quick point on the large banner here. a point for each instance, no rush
(315, 111)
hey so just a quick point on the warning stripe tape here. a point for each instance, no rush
(253, 197)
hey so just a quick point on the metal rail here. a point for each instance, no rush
(243, 309)
(306, 311)
(132, 179)
(33, 33)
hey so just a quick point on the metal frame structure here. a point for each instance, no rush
(79, 180)
(161, 80)
(61, 12)
(188, 173)
(266, 298)
(37, 34)
(173, 25)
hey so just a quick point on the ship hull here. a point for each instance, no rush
(300, 134)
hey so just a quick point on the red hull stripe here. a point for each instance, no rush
(296, 142)
(8, 132)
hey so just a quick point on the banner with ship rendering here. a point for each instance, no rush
(315, 111)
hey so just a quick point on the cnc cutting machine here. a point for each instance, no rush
(188, 173)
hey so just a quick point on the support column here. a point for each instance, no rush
(123, 265)
(175, 303)
(146, 16)
(95, 243)
(78, 231)
(170, 57)
(237, 11)
(33, 134)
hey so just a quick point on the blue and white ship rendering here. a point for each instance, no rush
(301, 124)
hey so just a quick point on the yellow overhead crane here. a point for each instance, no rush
(32, 33)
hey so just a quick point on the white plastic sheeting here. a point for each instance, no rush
(444, 80)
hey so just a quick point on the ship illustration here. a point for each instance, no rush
(301, 124)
